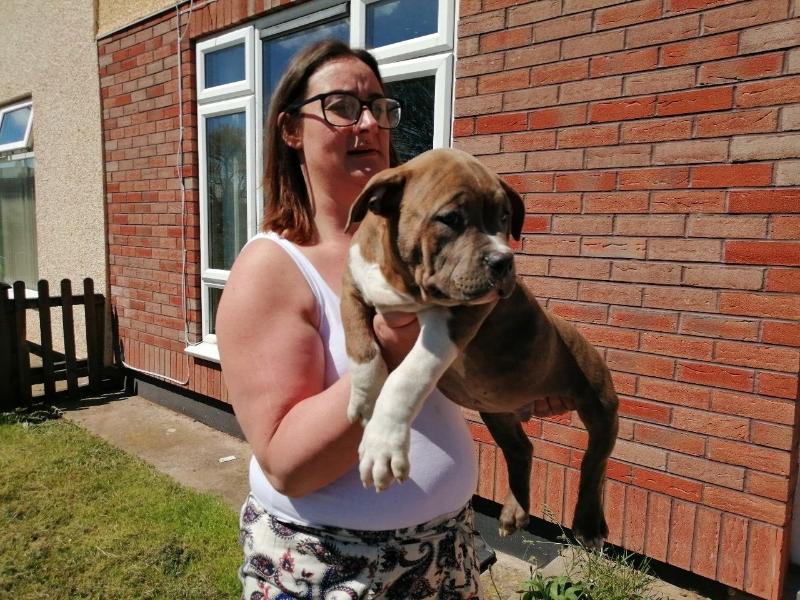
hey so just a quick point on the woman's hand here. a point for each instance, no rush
(396, 333)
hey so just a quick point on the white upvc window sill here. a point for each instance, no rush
(204, 350)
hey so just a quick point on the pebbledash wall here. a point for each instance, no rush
(657, 145)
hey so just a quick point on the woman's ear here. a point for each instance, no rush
(291, 132)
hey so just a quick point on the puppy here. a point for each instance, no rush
(433, 240)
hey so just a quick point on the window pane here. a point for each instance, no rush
(14, 125)
(415, 133)
(18, 223)
(224, 66)
(214, 295)
(226, 164)
(277, 52)
(391, 21)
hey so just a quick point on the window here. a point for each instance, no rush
(237, 73)
(18, 260)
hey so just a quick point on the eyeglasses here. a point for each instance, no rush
(341, 109)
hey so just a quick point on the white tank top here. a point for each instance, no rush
(444, 469)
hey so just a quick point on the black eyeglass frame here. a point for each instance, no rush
(296, 106)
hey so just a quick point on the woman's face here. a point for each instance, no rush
(342, 158)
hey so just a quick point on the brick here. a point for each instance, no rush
(481, 23)
(645, 272)
(479, 105)
(630, 13)
(660, 80)
(535, 54)
(723, 277)
(593, 135)
(643, 319)
(643, 410)
(777, 384)
(770, 37)
(657, 525)
(585, 181)
(727, 124)
(670, 439)
(711, 423)
(688, 202)
(622, 294)
(552, 245)
(530, 182)
(739, 503)
(764, 201)
(701, 469)
(684, 250)
(740, 69)
(787, 172)
(527, 141)
(682, 524)
(676, 345)
(557, 117)
(599, 43)
(591, 89)
(635, 517)
(771, 435)
(782, 280)
(505, 163)
(574, 70)
(715, 376)
(757, 356)
(536, 97)
(706, 542)
(583, 224)
(748, 455)
(768, 93)
(695, 151)
(695, 101)
(479, 65)
(753, 406)
(763, 253)
(743, 16)
(727, 226)
(563, 27)
(790, 118)
(533, 12)
(725, 176)
(650, 225)
(656, 130)
(505, 39)
(622, 110)
(705, 49)
(554, 160)
(579, 268)
(762, 147)
(574, 311)
(654, 178)
(639, 454)
(553, 203)
(616, 202)
(764, 560)
(642, 364)
(618, 156)
(505, 81)
(680, 6)
(768, 486)
(663, 31)
(732, 550)
(618, 63)
(781, 333)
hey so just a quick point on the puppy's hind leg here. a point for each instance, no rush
(599, 414)
(507, 431)
(368, 370)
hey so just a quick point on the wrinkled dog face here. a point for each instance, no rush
(452, 219)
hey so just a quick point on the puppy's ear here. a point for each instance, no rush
(517, 210)
(382, 196)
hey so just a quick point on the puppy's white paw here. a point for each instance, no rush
(366, 381)
(383, 453)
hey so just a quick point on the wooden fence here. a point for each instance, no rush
(17, 375)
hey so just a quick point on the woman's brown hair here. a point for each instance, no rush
(287, 207)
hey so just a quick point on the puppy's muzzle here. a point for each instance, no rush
(501, 271)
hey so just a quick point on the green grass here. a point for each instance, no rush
(81, 519)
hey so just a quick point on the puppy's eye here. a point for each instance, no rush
(454, 220)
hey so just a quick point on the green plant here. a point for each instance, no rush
(560, 587)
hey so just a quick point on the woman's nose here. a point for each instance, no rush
(366, 119)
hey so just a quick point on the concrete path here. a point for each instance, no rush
(210, 461)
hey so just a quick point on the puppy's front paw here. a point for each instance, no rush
(383, 453)
(366, 381)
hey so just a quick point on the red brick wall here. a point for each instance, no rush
(656, 143)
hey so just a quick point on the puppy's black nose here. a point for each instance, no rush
(499, 263)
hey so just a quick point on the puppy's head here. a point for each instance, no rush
(449, 221)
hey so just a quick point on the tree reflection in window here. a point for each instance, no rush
(227, 188)
(415, 133)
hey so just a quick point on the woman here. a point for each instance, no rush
(309, 527)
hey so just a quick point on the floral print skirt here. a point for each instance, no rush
(284, 560)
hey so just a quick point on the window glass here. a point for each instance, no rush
(224, 66)
(414, 135)
(277, 52)
(214, 295)
(392, 21)
(226, 168)
(14, 124)
(18, 222)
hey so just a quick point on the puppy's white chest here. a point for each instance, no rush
(374, 287)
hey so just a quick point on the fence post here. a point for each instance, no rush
(23, 353)
(8, 392)
(69, 338)
(90, 313)
(46, 329)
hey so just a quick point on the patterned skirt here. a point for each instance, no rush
(284, 560)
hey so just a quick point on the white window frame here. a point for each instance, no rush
(25, 142)
(220, 42)
(420, 57)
